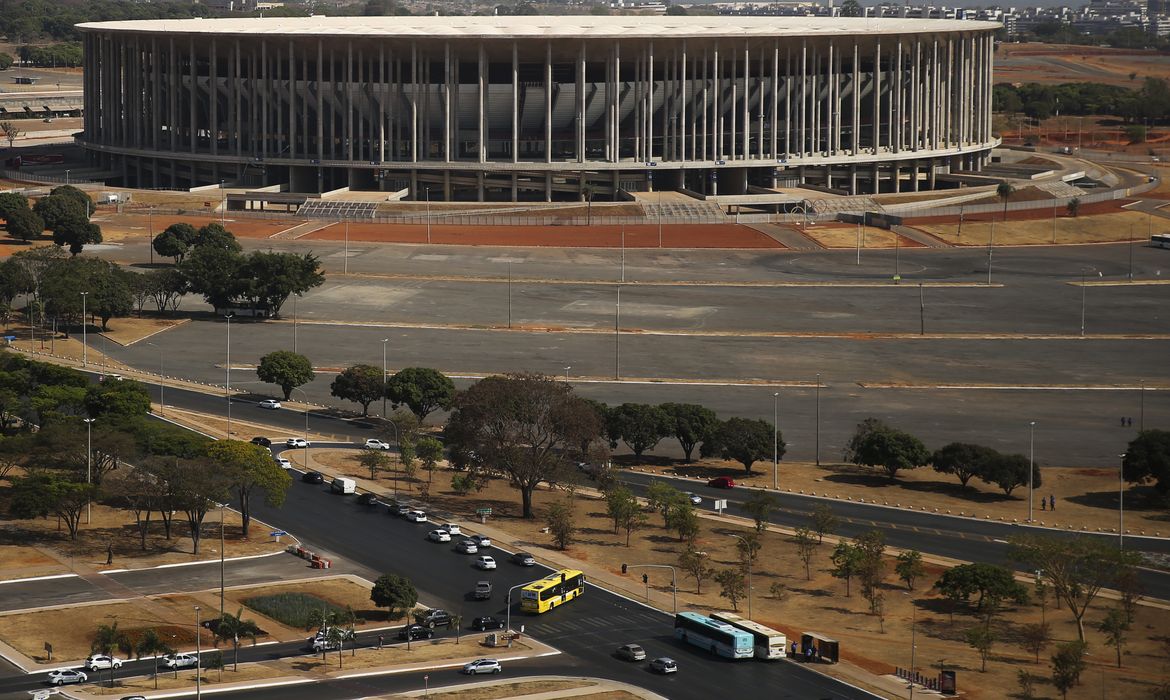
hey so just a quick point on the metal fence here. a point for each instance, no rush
(42, 179)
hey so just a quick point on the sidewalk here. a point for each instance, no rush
(593, 687)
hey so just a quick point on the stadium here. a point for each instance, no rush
(533, 109)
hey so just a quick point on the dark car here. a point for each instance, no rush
(313, 478)
(487, 623)
(523, 559)
(431, 618)
(414, 632)
(368, 499)
(722, 482)
(261, 441)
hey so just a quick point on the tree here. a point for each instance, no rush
(395, 593)
(271, 278)
(214, 273)
(1147, 459)
(11, 132)
(40, 494)
(1068, 663)
(166, 288)
(422, 389)
(76, 233)
(748, 546)
(10, 202)
(824, 522)
(694, 564)
(1011, 471)
(559, 520)
(83, 200)
(871, 565)
(623, 507)
(689, 423)
(374, 460)
(361, 384)
(760, 506)
(1004, 191)
(981, 638)
(731, 586)
(286, 369)
(135, 491)
(214, 236)
(684, 521)
(108, 639)
(662, 497)
(851, 8)
(24, 224)
(747, 441)
(640, 425)
(175, 241)
(115, 402)
(846, 560)
(231, 628)
(152, 645)
(993, 584)
(429, 451)
(1073, 206)
(909, 567)
(247, 467)
(964, 460)
(805, 548)
(197, 487)
(523, 427)
(1114, 626)
(1034, 638)
(876, 444)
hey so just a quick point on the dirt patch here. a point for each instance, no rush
(1062, 63)
(846, 237)
(1084, 228)
(511, 690)
(131, 329)
(136, 223)
(18, 561)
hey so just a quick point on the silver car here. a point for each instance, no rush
(664, 664)
(482, 666)
(67, 676)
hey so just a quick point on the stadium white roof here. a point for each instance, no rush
(546, 27)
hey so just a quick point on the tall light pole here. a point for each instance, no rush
(776, 440)
(913, 642)
(567, 368)
(1131, 252)
(990, 250)
(385, 381)
(1121, 502)
(508, 604)
(162, 387)
(150, 233)
(1082, 302)
(346, 269)
(295, 322)
(229, 372)
(617, 320)
(306, 399)
(743, 539)
(1142, 408)
(818, 445)
(222, 201)
(84, 333)
(428, 191)
(222, 524)
(88, 464)
(198, 652)
(1031, 463)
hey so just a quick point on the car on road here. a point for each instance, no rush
(297, 442)
(485, 562)
(482, 666)
(67, 675)
(483, 590)
(98, 661)
(368, 499)
(631, 652)
(431, 618)
(664, 664)
(320, 643)
(413, 632)
(401, 509)
(523, 559)
(438, 536)
(133, 697)
(481, 541)
(376, 444)
(696, 499)
(487, 622)
(451, 528)
(284, 463)
(313, 478)
(467, 547)
(261, 441)
(722, 482)
(174, 661)
(271, 404)
(416, 516)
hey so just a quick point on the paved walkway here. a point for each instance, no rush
(594, 686)
(920, 237)
(788, 237)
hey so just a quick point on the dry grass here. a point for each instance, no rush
(342, 592)
(19, 561)
(511, 690)
(131, 329)
(186, 679)
(1102, 228)
(846, 237)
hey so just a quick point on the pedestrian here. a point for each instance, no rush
(109, 554)
(1043, 503)
(380, 640)
(1123, 421)
(1051, 502)
(1129, 422)
(794, 652)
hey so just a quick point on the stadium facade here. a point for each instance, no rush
(545, 108)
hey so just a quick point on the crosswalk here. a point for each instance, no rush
(610, 627)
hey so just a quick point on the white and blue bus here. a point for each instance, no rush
(714, 636)
(768, 642)
(1160, 240)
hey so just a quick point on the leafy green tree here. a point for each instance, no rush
(964, 460)
(117, 402)
(683, 520)
(214, 273)
(75, 233)
(876, 444)
(374, 460)
(909, 567)
(108, 639)
(166, 288)
(662, 497)
(747, 441)
(56, 209)
(6, 62)
(247, 468)
(981, 639)
(1068, 663)
(24, 224)
(422, 389)
(1035, 638)
(731, 586)
(83, 200)
(271, 278)
(824, 522)
(1073, 206)
(620, 502)
(992, 584)
(429, 451)
(560, 522)
(695, 565)
(640, 425)
(1147, 460)
(231, 628)
(10, 202)
(395, 593)
(806, 546)
(152, 645)
(1114, 626)
(760, 506)
(748, 546)
(1011, 471)
(361, 384)
(690, 423)
(175, 241)
(1004, 191)
(871, 568)
(846, 560)
(215, 236)
(40, 494)
(286, 369)
(851, 8)
(196, 486)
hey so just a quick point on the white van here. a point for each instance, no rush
(343, 485)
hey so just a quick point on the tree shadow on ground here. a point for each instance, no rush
(941, 488)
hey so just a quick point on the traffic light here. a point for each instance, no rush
(623, 569)
(645, 578)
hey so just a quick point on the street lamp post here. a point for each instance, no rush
(162, 387)
(508, 604)
(222, 201)
(617, 320)
(428, 191)
(673, 580)
(84, 333)
(150, 233)
(567, 368)
(1121, 502)
(913, 644)
(384, 379)
(1031, 463)
(66, 177)
(775, 440)
(198, 652)
(88, 464)
(1082, 302)
(222, 523)
(229, 372)
(743, 539)
(818, 445)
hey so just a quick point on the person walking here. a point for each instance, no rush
(1051, 502)
(380, 640)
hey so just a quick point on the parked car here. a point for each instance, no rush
(722, 482)
(485, 562)
(466, 547)
(402, 509)
(482, 666)
(173, 661)
(481, 541)
(431, 618)
(271, 404)
(320, 643)
(631, 652)
(451, 528)
(368, 499)
(696, 499)
(102, 661)
(297, 442)
(261, 441)
(523, 559)
(483, 590)
(313, 478)
(133, 697)
(487, 623)
(663, 664)
(284, 463)
(68, 675)
(416, 516)
(376, 444)
(438, 536)
(414, 632)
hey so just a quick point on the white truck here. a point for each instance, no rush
(343, 485)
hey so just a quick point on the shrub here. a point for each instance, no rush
(296, 610)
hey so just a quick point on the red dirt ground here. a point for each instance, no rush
(241, 228)
(1109, 207)
(641, 236)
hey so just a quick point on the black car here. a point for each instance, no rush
(433, 617)
(261, 441)
(313, 478)
(414, 632)
(524, 559)
(487, 623)
(368, 499)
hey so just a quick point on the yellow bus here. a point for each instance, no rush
(551, 591)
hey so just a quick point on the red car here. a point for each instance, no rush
(722, 482)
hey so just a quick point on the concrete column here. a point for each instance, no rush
(775, 90)
(682, 119)
(804, 99)
(717, 115)
(746, 151)
(706, 108)
(548, 89)
(515, 104)
(448, 120)
(320, 106)
(649, 102)
(787, 101)
(581, 105)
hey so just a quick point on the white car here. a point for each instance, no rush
(416, 516)
(180, 661)
(467, 547)
(66, 676)
(696, 500)
(451, 528)
(482, 666)
(485, 562)
(297, 442)
(271, 404)
(376, 444)
(438, 536)
(481, 541)
(283, 461)
(102, 661)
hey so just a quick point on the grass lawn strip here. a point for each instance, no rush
(497, 691)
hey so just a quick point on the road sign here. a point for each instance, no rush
(720, 504)
(483, 511)
(277, 533)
